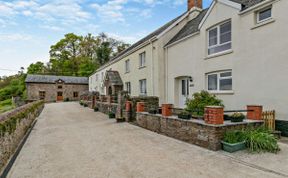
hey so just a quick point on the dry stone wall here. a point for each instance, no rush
(13, 126)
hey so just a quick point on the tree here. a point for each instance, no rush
(37, 68)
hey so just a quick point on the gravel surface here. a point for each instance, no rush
(71, 141)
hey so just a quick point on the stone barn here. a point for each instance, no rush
(55, 88)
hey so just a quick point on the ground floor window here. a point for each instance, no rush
(143, 87)
(220, 81)
(128, 87)
(42, 94)
(75, 94)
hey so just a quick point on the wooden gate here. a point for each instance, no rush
(269, 119)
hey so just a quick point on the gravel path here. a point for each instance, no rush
(72, 141)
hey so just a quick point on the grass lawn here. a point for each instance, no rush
(6, 105)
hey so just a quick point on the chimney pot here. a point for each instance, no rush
(194, 3)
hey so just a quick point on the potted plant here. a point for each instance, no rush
(237, 117)
(233, 141)
(111, 115)
(153, 111)
(184, 115)
(96, 109)
(81, 103)
(85, 105)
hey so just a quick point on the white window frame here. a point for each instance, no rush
(219, 78)
(127, 66)
(128, 89)
(142, 60)
(262, 10)
(218, 38)
(141, 87)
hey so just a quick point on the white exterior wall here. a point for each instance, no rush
(258, 59)
(154, 72)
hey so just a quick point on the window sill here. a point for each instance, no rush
(219, 54)
(142, 67)
(260, 24)
(222, 92)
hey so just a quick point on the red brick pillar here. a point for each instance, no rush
(140, 106)
(128, 106)
(167, 110)
(214, 115)
(254, 112)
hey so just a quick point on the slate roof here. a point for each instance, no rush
(52, 79)
(247, 3)
(146, 38)
(113, 77)
(190, 28)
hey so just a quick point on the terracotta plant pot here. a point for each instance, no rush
(128, 106)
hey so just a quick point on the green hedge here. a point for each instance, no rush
(9, 125)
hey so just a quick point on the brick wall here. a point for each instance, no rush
(192, 131)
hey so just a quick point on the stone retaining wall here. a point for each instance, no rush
(150, 103)
(13, 126)
(106, 107)
(191, 131)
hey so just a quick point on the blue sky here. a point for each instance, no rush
(29, 27)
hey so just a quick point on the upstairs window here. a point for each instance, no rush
(265, 14)
(221, 81)
(219, 38)
(142, 59)
(143, 89)
(127, 66)
(60, 87)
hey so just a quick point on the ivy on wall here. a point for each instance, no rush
(9, 124)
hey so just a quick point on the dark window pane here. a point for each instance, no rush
(265, 14)
(225, 33)
(212, 82)
(226, 74)
(183, 87)
(213, 37)
(226, 84)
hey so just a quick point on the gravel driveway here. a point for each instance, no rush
(72, 141)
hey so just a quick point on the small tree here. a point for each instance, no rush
(200, 100)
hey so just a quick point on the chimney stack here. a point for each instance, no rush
(194, 3)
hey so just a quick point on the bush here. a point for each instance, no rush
(234, 136)
(200, 100)
(96, 109)
(261, 140)
(184, 115)
(111, 115)
(256, 139)
(66, 100)
(237, 117)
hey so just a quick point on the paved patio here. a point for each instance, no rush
(72, 141)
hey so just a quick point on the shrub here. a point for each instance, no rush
(200, 100)
(111, 115)
(234, 136)
(66, 100)
(261, 140)
(96, 109)
(184, 115)
(237, 117)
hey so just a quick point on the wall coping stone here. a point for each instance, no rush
(202, 122)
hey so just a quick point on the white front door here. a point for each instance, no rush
(183, 92)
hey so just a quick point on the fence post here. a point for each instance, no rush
(254, 112)
(214, 115)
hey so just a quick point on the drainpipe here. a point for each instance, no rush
(152, 68)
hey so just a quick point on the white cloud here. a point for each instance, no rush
(111, 11)
(51, 27)
(14, 37)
